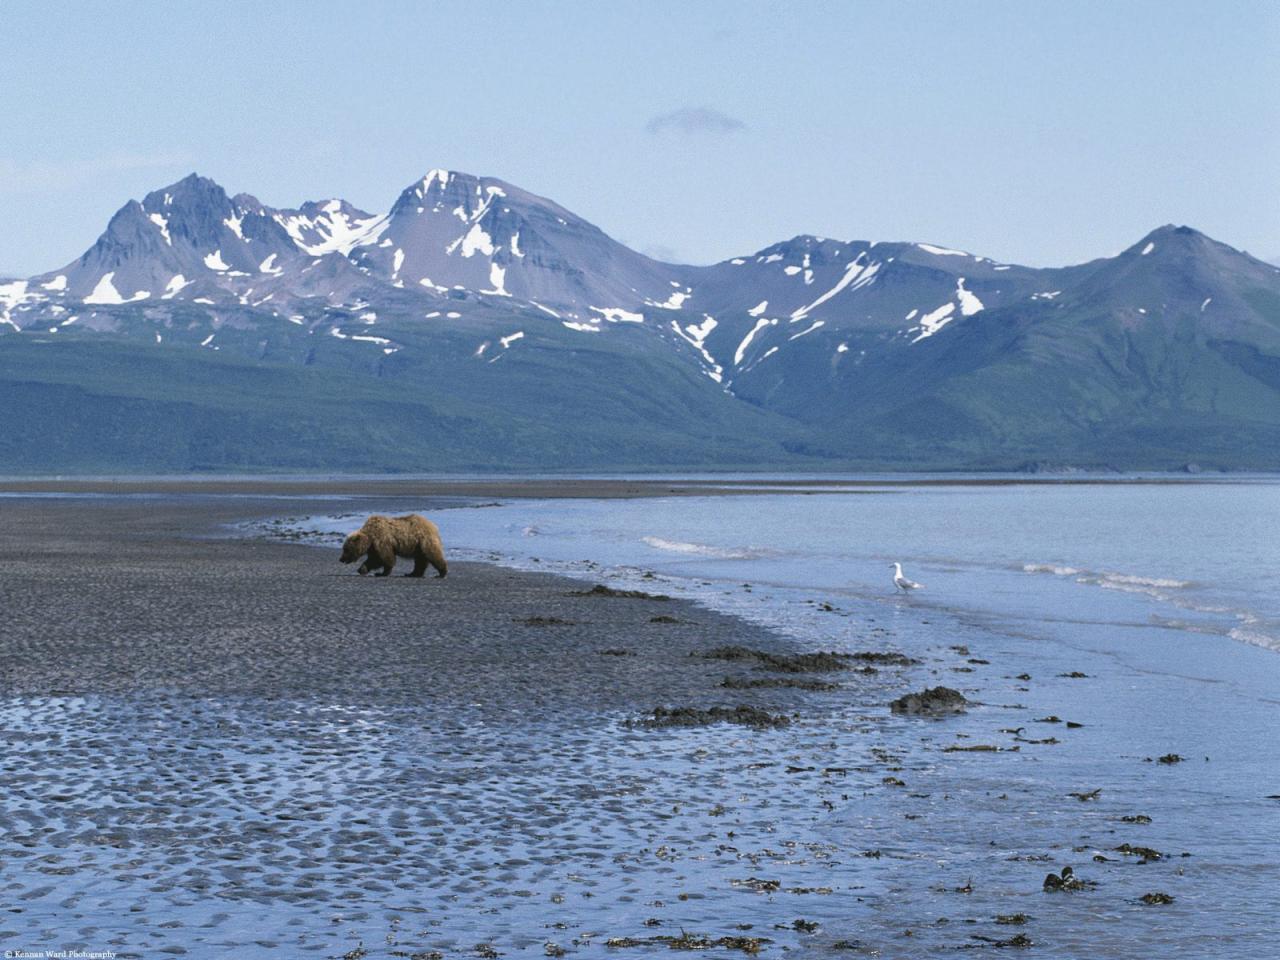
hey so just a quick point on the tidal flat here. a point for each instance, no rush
(222, 743)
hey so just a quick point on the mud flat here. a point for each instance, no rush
(217, 744)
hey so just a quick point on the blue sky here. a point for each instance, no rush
(1033, 132)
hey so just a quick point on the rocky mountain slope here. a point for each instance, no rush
(475, 325)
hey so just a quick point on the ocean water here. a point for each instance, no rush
(1147, 613)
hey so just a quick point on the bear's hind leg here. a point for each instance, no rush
(435, 556)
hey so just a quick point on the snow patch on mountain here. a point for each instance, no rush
(935, 320)
(812, 327)
(162, 223)
(746, 341)
(106, 293)
(618, 315)
(11, 295)
(497, 277)
(696, 336)
(941, 251)
(856, 275)
(174, 287)
(969, 303)
(475, 239)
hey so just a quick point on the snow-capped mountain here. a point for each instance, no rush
(853, 351)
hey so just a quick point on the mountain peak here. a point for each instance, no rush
(1169, 235)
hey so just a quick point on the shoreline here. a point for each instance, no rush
(573, 487)
(296, 623)
(277, 757)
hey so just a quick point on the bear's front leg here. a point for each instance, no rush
(364, 568)
(385, 560)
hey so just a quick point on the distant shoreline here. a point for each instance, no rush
(545, 487)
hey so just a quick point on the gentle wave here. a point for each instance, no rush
(1049, 568)
(1116, 581)
(1255, 638)
(1134, 581)
(702, 549)
(1251, 629)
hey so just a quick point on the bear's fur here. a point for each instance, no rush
(382, 539)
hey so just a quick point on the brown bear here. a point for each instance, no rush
(382, 539)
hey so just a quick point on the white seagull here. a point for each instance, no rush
(901, 582)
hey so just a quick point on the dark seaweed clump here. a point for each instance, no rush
(823, 661)
(694, 717)
(600, 590)
(938, 700)
(795, 683)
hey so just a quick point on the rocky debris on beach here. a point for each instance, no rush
(978, 748)
(820, 662)
(616, 652)
(1011, 919)
(1145, 853)
(1135, 818)
(1017, 940)
(795, 683)
(823, 661)
(935, 701)
(800, 925)
(885, 658)
(692, 941)
(600, 590)
(544, 621)
(1170, 759)
(743, 715)
(1152, 899)
(1086, 796)
(1066, 880)
(758, 885)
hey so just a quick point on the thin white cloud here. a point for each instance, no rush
(692, 121)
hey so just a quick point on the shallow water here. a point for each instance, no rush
(1166, 597)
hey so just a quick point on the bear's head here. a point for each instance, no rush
(355, 547)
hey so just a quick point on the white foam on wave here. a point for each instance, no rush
(1254, 637)
(702, 549)
(1136, 581)
(1112, 581)
(1049, 568)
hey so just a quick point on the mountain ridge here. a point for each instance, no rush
(830, 351)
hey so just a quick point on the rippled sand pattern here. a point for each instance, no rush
(228, 748)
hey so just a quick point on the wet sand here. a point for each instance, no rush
(222, 746)
(140, 598)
